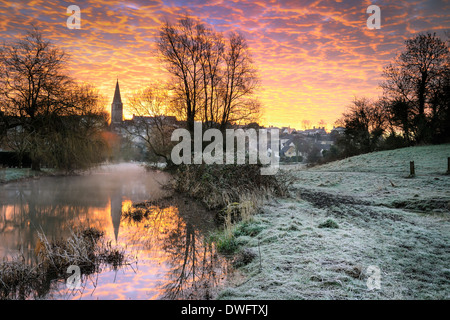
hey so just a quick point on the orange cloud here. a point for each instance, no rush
(313, 56)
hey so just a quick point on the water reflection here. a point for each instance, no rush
(53, 204)
(176, 227)
(172, 258)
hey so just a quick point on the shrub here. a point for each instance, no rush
(17, 279)
(229, 188)
(329, 224)
(248, 229)
(243, 258)
(225, 243)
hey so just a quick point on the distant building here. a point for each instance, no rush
(286, 130)
(315, 131)
(338, 130)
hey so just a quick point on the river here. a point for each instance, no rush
(169, 257)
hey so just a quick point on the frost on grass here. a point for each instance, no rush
(428, 160)
(381, 178)
(408, 242)
(315, 263)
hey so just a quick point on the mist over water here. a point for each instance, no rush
(158, 245)
(51, 204)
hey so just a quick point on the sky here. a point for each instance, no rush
(313, 57)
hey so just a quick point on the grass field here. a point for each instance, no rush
(346, 219)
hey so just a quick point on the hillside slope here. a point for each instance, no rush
(348, 218)
(427, 160)
(383, 178)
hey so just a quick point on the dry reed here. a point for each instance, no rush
(235, 190)
(85, 248)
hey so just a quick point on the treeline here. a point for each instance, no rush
(44, 113)
(414, 108)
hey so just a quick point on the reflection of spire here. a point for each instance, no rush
(116, 213)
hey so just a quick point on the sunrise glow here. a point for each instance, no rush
(313, 57)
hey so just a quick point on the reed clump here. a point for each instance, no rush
(144, 210)
(136, 214)
(79, 249)
(17, 279)
(85, 248)
(235, 190)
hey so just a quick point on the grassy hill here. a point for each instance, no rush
(427, 160)
(348, 218)
(383, 178)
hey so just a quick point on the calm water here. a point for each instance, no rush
(170, 258)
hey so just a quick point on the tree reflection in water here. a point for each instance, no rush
(175, 228)
(173, 259)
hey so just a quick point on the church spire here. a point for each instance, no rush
(117, 98)
(117, 106)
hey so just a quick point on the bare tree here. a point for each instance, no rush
(239, 82)
(306, 124)
(151, 119)
(412, 79)
(32, 76)
(213, 78)
(39, 101)
(180, 50)
(322, 123)
(364, 123)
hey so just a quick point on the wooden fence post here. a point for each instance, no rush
(412, 171)
(448, 165)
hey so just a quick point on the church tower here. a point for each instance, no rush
(117, 107)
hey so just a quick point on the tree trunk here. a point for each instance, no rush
(35, 165)
(421, 118)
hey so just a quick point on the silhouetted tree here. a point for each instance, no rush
(306, 124)
(440, 109)
(414, 84)
(52, 118)
(150, 123)
(364, 123)
(213, 76)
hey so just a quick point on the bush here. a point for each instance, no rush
(329, 224)
(17, 279)
(225, 243)
(244, 257)
(393, 141)
(229, 188)
(248, 229)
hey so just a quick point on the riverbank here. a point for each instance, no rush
(15, 174)
(353, 229)
(8, 175)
